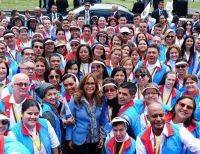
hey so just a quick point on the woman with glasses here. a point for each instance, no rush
(173, 53)
(84, 57)
(41, 66)
(110, 90)
(182, 114)
(48, 93)
(35, 133)
(169, 38)
(182, 71)
(143, 77)
(128, 64)
(119, 74)
(192, 89)
(87, 108)
(98, 68)
(169, 94)
(74, 43)
(187, 51)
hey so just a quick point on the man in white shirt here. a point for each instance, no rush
(163, 137)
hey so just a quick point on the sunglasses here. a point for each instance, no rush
(21, 84)
(187, 106)
(125, 33)
(109, 90)
(181, 66)
(41, 47)
(60, 46)
(170, 36)
(96, 66)
(4, 122)
(140, 75)
(54, 76)
(8, 37)
(74, 45)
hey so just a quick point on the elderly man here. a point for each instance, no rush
(163, 137)
(26, 67)
(12, 103)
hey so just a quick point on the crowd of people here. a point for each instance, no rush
(90, 85)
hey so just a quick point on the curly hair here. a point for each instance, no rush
(80, 92)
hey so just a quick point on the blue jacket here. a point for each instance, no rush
(11, 145)
(22, 136)
(78, 132)
(160, 71)
(172, 143)
(128, 148)
(47, 108)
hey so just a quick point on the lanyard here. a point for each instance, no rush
(17, 118)
(14, 58)
(167, 98)
(152, 71)
(157, 145)
(120, 150)
(139, 93)
(109, 113)
(36, 142)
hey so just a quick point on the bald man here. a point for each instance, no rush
(162, 137)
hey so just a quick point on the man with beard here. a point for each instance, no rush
(162, 137)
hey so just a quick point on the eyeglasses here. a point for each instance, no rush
(189, 24)
(96, 66)
(21, 84)
(4, 122)
(41, 47)
(109, 90)
(125, 33)
(49, 43)
(187, 106)
(60, 46)
(54, 76)
(8, 37)
(181, 66)
(140, 75)
(29, 68)
(170, 36)
(151, 93)
(74, 45)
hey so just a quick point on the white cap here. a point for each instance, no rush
(119, 119)
(124, 29)
(3, 117)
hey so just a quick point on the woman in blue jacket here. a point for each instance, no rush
(85, 136)
(35, 133)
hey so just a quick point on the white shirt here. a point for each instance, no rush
(53, 139)
(186, 137)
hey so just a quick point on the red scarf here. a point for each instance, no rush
(125, 107)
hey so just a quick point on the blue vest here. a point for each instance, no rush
(25, 140)
(47, 108)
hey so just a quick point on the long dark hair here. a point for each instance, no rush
(183, 48)
(69, 65)
(162, 82)
(191, 120)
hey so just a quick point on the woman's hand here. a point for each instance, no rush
(101, 142)
(70, 121)
(70, 144)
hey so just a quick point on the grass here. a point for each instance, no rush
(31, 4)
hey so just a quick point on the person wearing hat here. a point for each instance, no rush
(49, 47)
(4, 123)
(12, 52)
(112, 21)
(163, 137)
(31, 25)
(15, 30)
(48, 93)
(74, 43)
(124, 31)
(23, 40)
(61, 49)
(18, 21)
(120, 141)
(151, 94)
(75, 32)
(179, 36)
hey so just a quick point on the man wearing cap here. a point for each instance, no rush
(24, 40)
(150, 94)
(179, 36)
(12, 49)
(155, 67)
(163, 137)
(120, 142)
(75, 32)
(12, 103)
(126, 94)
